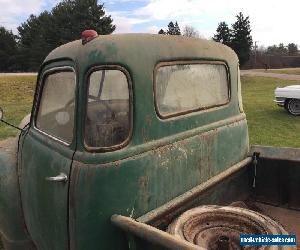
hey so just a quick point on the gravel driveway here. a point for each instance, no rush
(269, 74)
(19, 74)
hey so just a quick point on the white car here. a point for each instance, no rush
(289, 98)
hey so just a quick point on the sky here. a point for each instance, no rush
(272, 22)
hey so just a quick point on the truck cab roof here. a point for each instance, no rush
(131, 48)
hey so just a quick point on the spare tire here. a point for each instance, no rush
(217, 227)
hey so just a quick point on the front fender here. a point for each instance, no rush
(12, 226)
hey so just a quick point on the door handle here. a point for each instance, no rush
(60, 178)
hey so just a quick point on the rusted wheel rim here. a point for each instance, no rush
(215, 227)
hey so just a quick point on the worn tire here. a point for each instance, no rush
(293, 106)
(208, 226)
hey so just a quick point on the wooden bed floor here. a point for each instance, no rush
(288, 218)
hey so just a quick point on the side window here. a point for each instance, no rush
(182, 88)
(56, 109)
(108, 109)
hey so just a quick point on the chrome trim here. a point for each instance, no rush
(47, 72)
(52, 137)
(62, 177)
(279, 101)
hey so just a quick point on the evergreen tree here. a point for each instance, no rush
(40, 34)
(241, 39)
(176, 29)
(74, 16)
(223, 34)
(161, 32)
(173, 29)
(292, 49)
(36, 40)
(8, 49)
(282, 50)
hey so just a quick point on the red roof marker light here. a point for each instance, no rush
(88, 35)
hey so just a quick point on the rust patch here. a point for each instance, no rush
(149, 120)
(117, 163)
(144, 134)
(205, 160)
(143, 186)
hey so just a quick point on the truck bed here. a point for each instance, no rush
(288, 218)
(271, 187)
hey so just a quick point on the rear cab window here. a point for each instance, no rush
(108, 112)
(184, 87)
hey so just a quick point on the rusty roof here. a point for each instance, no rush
(119, 47)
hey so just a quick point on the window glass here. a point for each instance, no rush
(108, 109)
(186, 87)
(56, 110)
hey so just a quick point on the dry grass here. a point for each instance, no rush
(16, 95)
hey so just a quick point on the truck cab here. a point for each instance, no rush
(139, 126)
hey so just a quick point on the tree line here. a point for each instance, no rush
(238, 37)
(38, 35)
(290, 49)
(173, 29)
(275, 56)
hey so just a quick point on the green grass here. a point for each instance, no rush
(290, 71)
(16, 94)
(268, 123)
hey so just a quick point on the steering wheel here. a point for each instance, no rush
(106, 108)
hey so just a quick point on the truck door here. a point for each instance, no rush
(46, 158)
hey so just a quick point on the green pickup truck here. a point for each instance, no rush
(140, 141)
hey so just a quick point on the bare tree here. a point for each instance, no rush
(190, 31)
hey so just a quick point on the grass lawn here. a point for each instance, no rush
(292, 71)
(268, 124)
(16, 94)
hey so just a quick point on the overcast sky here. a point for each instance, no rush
(272, 22)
